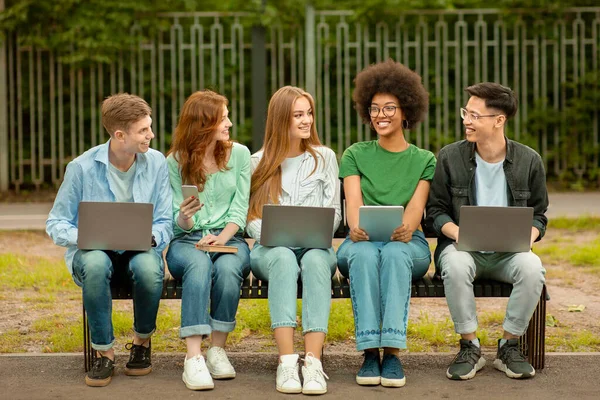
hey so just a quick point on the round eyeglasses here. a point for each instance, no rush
(388, 111)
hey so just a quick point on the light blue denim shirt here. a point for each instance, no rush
(86, 179)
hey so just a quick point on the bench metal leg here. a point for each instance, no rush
(87, 344)
(534, 341)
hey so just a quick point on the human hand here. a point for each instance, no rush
(189, 207)
(403, 233)
(211, 239)
(358, 235)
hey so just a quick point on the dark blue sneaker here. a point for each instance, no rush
(370, 371)
(392, 374)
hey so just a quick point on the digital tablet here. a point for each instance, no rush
(380, 221)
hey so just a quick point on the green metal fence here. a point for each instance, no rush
(49, 112)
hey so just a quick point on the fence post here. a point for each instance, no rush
(259, 84)
(311, 62)
(3, 111)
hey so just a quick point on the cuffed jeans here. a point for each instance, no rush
(209, 279)
(380, 280)
(523, 270)
(94, 269)
(280, 266)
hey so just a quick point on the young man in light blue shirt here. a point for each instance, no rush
(124, 169)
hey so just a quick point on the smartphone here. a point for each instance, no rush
(189, 191)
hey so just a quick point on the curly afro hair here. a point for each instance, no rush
(396, 79)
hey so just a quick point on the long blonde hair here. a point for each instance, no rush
(265, 184)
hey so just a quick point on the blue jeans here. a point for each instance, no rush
(94, 269)
(460, 268)
(380, 280)
(281, 266)
(213, 279)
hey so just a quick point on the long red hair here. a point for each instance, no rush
(200, 117)
(265, 186)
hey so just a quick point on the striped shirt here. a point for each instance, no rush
(321, 189)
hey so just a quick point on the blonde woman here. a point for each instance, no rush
(294, 168)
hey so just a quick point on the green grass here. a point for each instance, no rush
(44, 285)
(584, 223)
(38, 273)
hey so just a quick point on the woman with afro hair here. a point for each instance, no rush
(387, 171)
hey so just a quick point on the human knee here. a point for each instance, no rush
(457, 266)
(362, 255)
(94, 264)
(318, 262)
(529, 269)
(146, 268)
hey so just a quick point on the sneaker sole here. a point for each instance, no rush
(368, 380)
(393, 382)
(500, 366)
(480, 364)
(137, 371)
(98, 382)
(197, 387)
(223, 376)
(314, 391)
(288, 391)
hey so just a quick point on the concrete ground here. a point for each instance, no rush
(566, 376)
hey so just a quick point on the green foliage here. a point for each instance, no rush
(572, 123)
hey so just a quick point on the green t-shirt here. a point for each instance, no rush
(387, 178)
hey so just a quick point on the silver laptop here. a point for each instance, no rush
(296, 226)
(114, 226)
(501, 229)
(380, 221)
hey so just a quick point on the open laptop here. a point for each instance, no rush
(501, 229)
(380, 221)
(114, 226)
(296, 226)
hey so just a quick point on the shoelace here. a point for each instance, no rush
(395, 367)
(139, 351)
(289, 372)
(512, 353)
(313, 371)
(198, 364)
(465, 355)
(220, 355)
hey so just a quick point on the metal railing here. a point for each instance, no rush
(49, 112)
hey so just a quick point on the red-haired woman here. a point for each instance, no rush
(293, 168)
(203, 155)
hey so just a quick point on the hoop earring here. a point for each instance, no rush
(404, 124)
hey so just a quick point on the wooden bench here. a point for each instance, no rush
(532, 342)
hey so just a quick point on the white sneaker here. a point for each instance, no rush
(196, 375)
(313, 375)
(218, 364)
(288, 380)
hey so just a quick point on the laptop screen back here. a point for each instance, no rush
(295, 226)
(114, 226)
(501, 229)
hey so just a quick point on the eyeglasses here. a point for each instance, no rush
(464, 114)
(388, 111)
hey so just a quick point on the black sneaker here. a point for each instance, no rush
(392, 373)
(370, 371)
(139, 360)
(512, 362)
(101, 372)
(467, 362)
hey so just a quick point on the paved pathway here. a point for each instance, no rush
(566, 376)
(15, 216)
